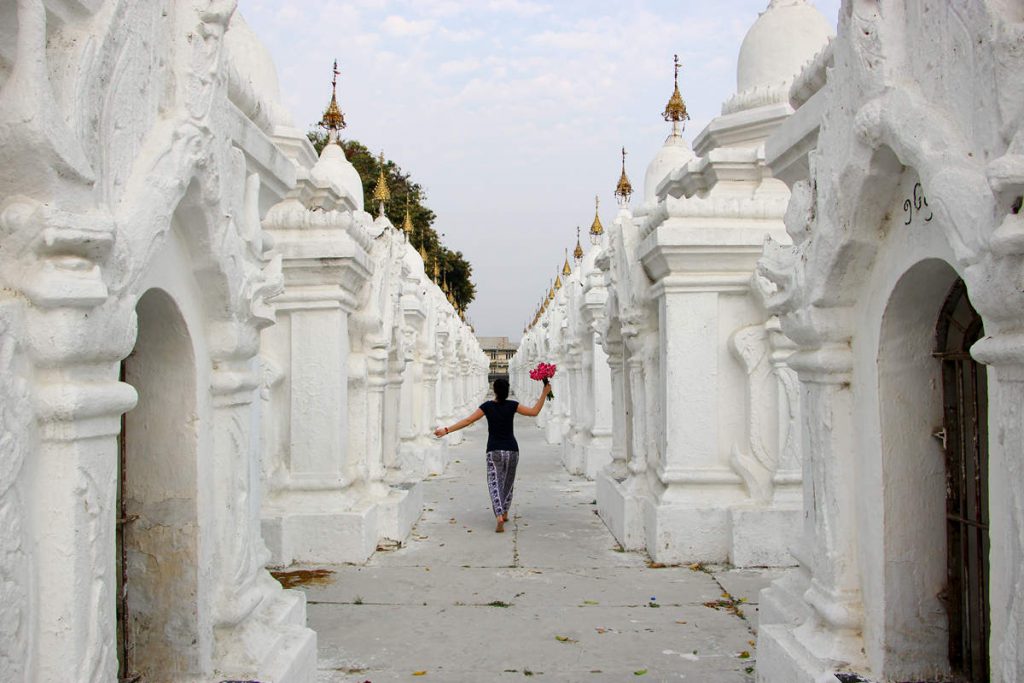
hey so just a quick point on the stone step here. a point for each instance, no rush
(294, 658)
(288, 610)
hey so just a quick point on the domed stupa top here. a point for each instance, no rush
(784, 38)
(333, 167)
(254, 85)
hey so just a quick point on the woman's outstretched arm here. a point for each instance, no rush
(464, 422)
(535, 410)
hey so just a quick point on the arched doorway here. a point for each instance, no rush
(964, 436)
(914, 636)
(157, 526)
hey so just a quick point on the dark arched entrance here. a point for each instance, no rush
(965, 440)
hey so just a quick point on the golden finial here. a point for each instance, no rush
(596, 229)
(566, 270)
(558, 282)
(577, 253)
(423, 255)
(407, 225)
(551, 292)
(675, 110)
(624, 189)
(333, 120)
(381, 193)
(437, 269)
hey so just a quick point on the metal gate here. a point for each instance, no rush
(125, 642)
(965, 440)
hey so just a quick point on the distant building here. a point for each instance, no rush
(499, 350)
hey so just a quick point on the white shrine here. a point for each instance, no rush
(846, 397)
(902, 292)
(159, 213)
(803, 347)
(707, 463)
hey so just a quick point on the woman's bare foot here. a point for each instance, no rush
(500, 528)
(505, 518)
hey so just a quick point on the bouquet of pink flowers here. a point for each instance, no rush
(542, 373)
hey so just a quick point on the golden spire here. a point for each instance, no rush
(437, 269)
(566, 270)
(407, 225)
(577, 253)
(333, 120)
(423, 255)
(675, 110)
(551, 293)
(558, 282)
(381, 193)
(596, 229)
(624, 189)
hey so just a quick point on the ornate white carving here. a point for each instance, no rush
(15, 439)
(756, 460)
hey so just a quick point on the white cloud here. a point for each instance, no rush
(442, 8)
(461, 66)
(569, 40)
(461, 35)
(524, 8)
(400, 26)
(288, 12)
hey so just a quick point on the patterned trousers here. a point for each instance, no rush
(501, 475)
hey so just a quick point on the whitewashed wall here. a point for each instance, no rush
(145, 160)
(915, 100)
(132, 183)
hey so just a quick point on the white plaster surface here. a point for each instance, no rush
(146, 163)
(859, 293)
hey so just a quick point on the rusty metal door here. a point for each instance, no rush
(125, 643)
(965, 438)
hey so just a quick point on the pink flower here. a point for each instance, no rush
(543, 371)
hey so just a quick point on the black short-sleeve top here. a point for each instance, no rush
(499, 416)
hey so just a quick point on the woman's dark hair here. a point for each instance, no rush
(501, 389)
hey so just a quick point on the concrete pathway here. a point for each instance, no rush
(553, 598)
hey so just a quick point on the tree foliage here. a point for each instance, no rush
(452, 266)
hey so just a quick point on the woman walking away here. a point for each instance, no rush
(502, 447)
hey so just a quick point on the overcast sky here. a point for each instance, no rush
(510, 113)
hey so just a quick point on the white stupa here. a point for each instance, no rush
(784, 38)
(253, 85)
(676, 152)
(333, 168)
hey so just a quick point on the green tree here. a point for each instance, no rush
(453, 267)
